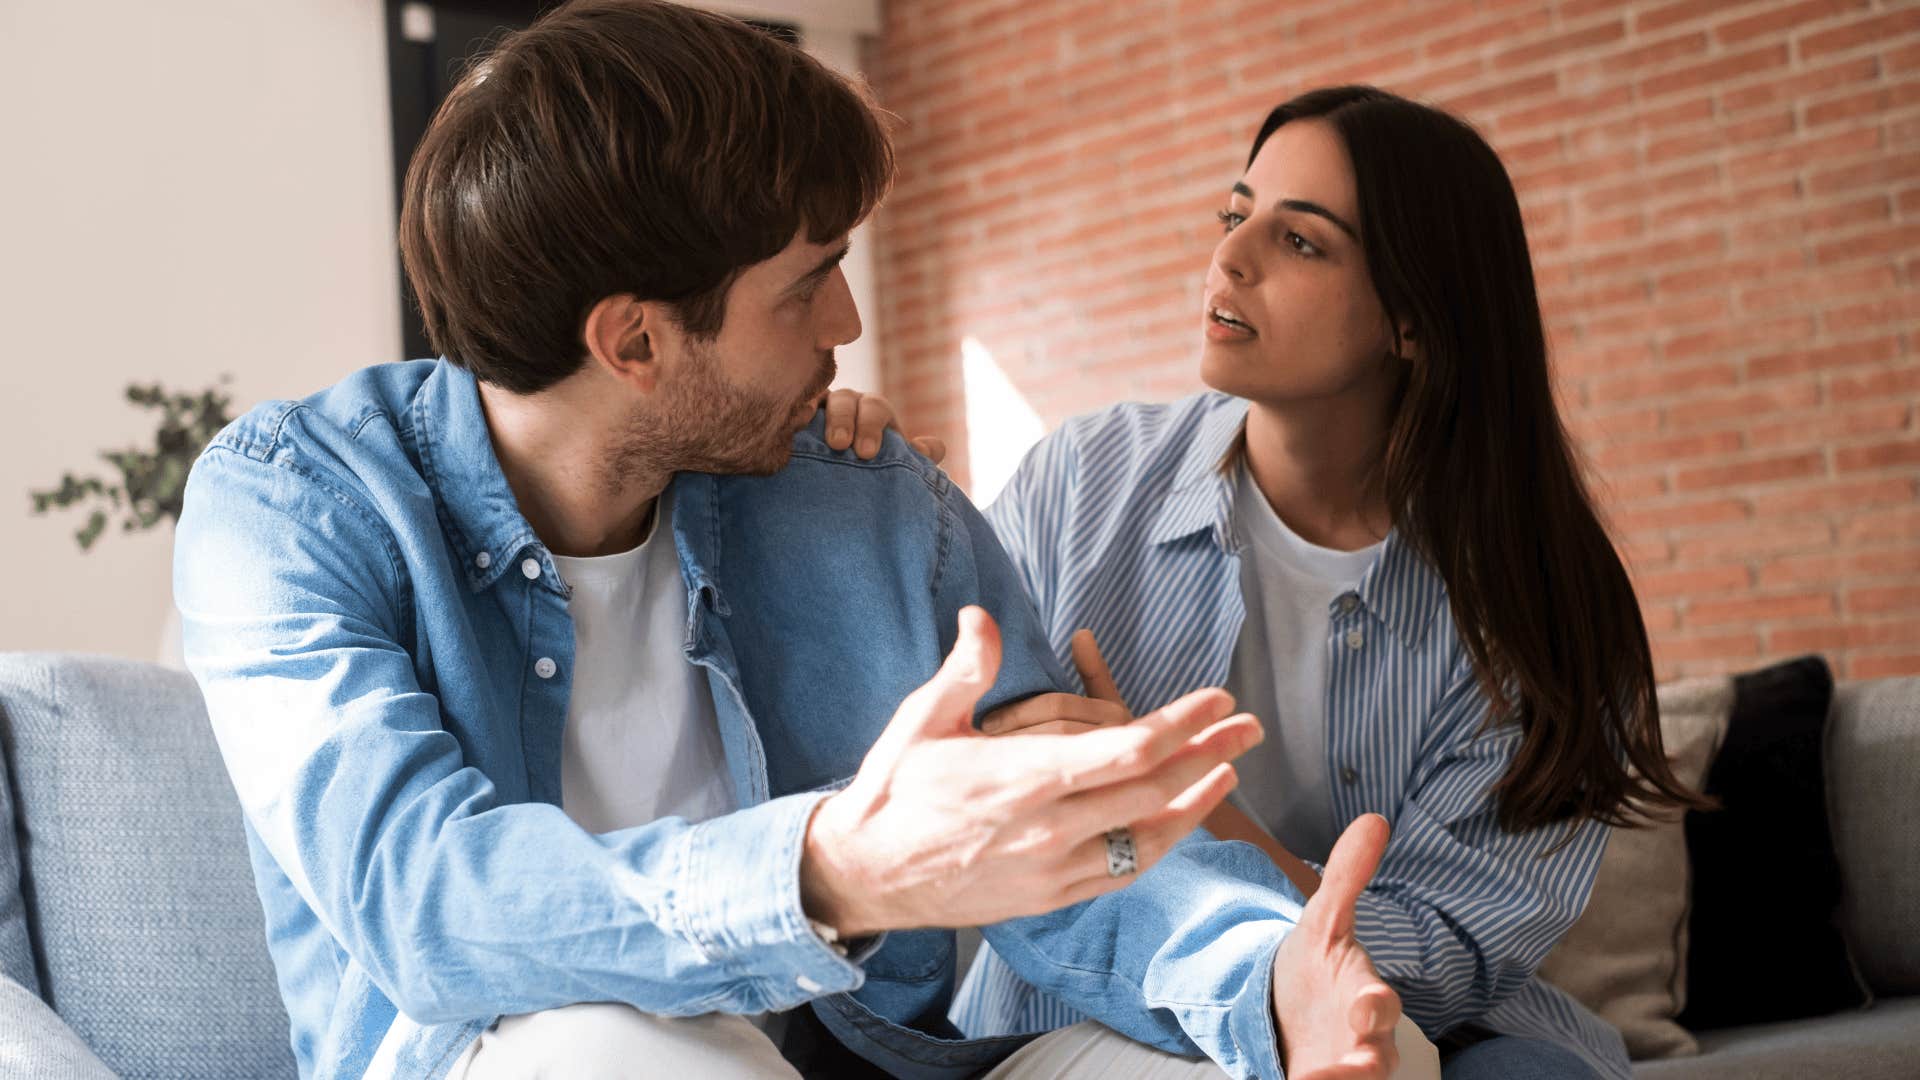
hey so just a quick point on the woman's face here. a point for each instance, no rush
(1291, 314)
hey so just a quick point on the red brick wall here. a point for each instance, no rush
(1724, 205)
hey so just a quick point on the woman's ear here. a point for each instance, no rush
(618, 335)
(1406, 344)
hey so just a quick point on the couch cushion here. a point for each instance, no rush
(1880, 1043)
(35, 1042)
(1873, 750)
(135, 870)
(1625, 958)
(16, 948)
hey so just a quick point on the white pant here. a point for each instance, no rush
(592, 1042)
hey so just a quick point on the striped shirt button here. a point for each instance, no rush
(1355, 639)
(1348, 775)
(1348, 603)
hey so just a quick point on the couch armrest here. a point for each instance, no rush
(35, 1042)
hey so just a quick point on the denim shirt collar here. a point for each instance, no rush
(1400, 590)
(477, 509)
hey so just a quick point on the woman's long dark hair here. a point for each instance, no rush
(1480, 476)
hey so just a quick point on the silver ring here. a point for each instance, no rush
(1120, 858)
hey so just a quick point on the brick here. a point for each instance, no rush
(1882, 455)
(1883, 667)
(1761, 470)
(1872, 351)
(1881, 169)
(1539, 49)
(1474, 36)
(1893, 311)
(1805, 151)
(1672, 584)
(1679, 515)
(1825, 287)
(1897, 240)
(1739, 335)
(1676, 448)
(1882, 28)
(1564, 108)
(1793, 87)
(1780, 20)
(1654, 54)
(1745, 406)
(1723, 69)
(1678, 647)
(1834, 495)
(1882, 598)
(1649, 19)
(1751, 609)
(1877, 633)
(1819, 430)
(1663, 383)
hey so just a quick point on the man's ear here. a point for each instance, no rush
(619, 335)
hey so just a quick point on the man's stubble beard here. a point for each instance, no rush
(704, 423)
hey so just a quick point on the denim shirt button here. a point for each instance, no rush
(483, 560)
(808, 985)
(531, 568)
(545, 667)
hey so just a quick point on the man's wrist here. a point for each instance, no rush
(831, 890)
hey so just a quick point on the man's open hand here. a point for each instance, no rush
(944, 826)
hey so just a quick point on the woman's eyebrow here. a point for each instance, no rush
(1304, 207)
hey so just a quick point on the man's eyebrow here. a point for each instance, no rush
(1304, 207)
(821, 271)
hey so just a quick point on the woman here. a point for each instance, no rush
(1375, 533)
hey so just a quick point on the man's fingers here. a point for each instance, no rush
(842, 406)
(1356, 855)
(1153, 837)
(1113, 754)
(943, 705)
(1093, 667)
(1086, 813)
(1375, 1011)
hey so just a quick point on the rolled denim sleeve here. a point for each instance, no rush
(294, 603)
(1461, 912)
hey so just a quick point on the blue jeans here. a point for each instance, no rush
(1515, 1057)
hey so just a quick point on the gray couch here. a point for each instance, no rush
(131, 941)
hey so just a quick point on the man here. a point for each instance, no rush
(554, 676)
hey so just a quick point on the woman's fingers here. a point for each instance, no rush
(1093, 667)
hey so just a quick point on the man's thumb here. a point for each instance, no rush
(945, 703)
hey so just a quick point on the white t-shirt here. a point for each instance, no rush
(641, 741)
(1279, 670)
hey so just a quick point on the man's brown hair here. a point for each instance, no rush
(623, 146)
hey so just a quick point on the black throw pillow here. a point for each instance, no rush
(1763, 942)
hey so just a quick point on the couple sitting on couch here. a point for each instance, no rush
(585, 694)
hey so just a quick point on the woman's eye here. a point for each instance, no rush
(1301, 244)
(1229, 220)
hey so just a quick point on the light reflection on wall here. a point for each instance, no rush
(1001, 426)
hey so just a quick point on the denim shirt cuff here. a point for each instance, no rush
(739, 899)
(1250, 1019)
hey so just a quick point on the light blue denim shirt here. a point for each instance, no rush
(385, 649)
(1121, 521)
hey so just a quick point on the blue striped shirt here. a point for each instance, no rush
(1121, 522)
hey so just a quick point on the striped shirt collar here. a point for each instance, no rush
(1401, 590)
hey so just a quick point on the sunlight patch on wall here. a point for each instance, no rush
(1001, 426)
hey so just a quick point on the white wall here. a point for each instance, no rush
(186, 188)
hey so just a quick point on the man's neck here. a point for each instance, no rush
(1318, 464)
(557, 451)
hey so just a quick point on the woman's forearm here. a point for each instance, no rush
(1228, 823)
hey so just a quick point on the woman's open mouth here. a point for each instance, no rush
(1225, 324)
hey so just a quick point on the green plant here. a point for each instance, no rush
(152, 482)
